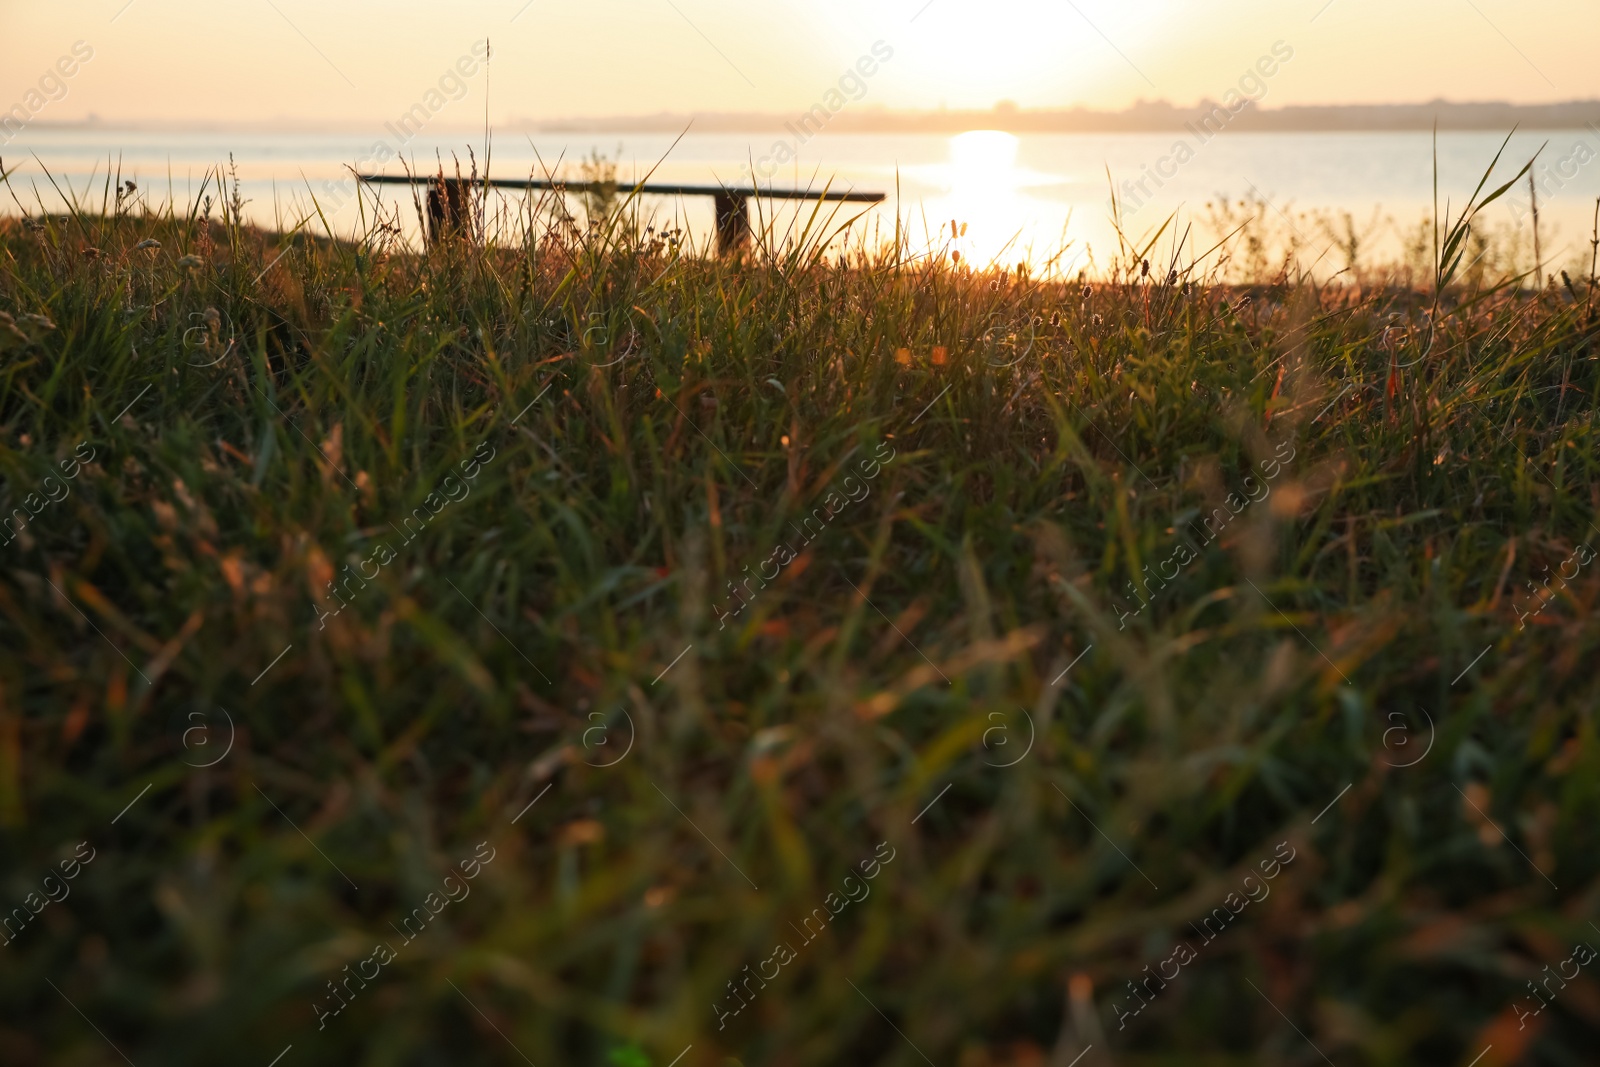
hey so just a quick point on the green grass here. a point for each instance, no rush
(658, 421)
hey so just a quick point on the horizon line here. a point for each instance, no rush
(1140, 117)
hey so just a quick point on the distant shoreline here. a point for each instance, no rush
(1144, 117)
(1159, 117)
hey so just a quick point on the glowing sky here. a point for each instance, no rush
(360, 61)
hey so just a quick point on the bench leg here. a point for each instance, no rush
(447, 209)
(733, 223)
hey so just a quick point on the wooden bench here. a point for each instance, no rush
(448, 204)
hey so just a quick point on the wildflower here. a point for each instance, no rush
(902, 356)
(191, 260)
(1144, 268)
(148, 242)
(940, 352)
(9, 334)
(1055, 318)
(1172, 277)
(1088, 291)
(1288, 500)
(23, 330)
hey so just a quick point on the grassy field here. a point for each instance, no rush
(563, 649)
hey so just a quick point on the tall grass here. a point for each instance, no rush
(660, 422)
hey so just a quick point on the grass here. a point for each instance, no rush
(978, 665)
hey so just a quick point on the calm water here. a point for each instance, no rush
(1026, 196)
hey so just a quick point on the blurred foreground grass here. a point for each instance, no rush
(341, 567)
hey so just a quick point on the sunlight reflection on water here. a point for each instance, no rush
(983, 186)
